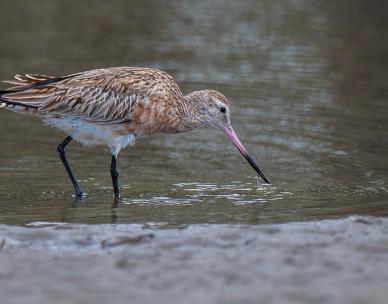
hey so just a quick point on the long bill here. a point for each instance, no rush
(231, 134)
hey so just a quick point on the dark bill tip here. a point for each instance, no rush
(231, 134)
(254, 165)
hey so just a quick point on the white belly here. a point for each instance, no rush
(89, 133)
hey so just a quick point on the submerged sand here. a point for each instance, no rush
(336, 261)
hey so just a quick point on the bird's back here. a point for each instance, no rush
(110, 95)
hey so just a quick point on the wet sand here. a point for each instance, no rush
(333, 261)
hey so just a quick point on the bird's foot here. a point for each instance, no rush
(80, 195)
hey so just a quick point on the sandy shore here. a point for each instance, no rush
(339, 261)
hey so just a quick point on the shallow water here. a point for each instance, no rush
(308, 87)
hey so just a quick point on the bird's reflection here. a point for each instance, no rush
(114, 212)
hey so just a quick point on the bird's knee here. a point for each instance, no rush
(60, 149)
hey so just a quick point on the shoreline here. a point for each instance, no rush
(328, 261)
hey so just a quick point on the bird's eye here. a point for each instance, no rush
(222, 109)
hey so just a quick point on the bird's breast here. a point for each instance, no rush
(160, 117)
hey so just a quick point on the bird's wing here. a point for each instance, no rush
(93, 103)
(103, 96)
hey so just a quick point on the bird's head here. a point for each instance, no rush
(213, 108)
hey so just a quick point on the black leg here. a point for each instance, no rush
(61, 151)
(115, 176)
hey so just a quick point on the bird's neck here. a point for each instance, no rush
(190, 115)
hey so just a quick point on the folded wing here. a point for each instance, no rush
(102, 96)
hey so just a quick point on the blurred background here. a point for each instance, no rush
(307, 81)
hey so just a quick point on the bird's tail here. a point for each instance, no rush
(15, 105)
(28, 92)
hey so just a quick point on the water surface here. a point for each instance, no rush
(308, 85)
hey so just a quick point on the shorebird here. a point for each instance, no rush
(114, 107)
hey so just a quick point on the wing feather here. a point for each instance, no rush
(94, 104)
(102, 96)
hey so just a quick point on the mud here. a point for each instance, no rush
(333, 261)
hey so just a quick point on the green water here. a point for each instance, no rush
(307, 81)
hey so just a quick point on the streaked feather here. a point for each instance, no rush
(103, 96)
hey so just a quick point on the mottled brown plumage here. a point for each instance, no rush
(114, 106)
